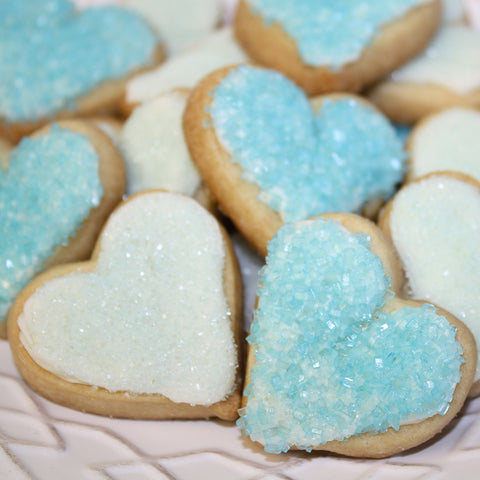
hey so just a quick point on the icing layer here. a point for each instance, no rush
(51, 55)
(305, 163)
(435, 227)
(329, 33)
(328, 363)
(50, 187)
(447, 141)
(152, 317)
(154, 149)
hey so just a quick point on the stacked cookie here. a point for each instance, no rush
(363, 339)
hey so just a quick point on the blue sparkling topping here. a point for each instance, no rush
(50, 187)
(328, 363)
(305, 163)
(330, 33)
(50, 55)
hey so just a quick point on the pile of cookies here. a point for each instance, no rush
(340, 139)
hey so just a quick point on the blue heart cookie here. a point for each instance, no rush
(303, 161)
(335, 355)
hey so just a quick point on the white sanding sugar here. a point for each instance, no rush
(449, 140)
(152, 317)
(436, 229)
(154, 149)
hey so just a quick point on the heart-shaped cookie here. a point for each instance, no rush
(447, 140)
(148, 327)
(337, 361)
(335, 46)
(270, 156)
(60, 186)
(435, 227)
(56, 62)
(446, 74)
(154, 150)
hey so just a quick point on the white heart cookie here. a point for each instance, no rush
(434, 223)
(153, 314)
(154, 149)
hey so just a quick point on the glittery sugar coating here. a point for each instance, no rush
(330, 33)
(328, 363)
(152, 317)
(51, 55)
(435, 227)
(305, 164)
(50, 187)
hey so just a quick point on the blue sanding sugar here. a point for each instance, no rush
(305, 163)
(50, 54)
(330, 33)
(328, 363)
(49, 189)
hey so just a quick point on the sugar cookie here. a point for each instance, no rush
(148, 327)
(154, 149)
(337, 360)
(269, 156)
